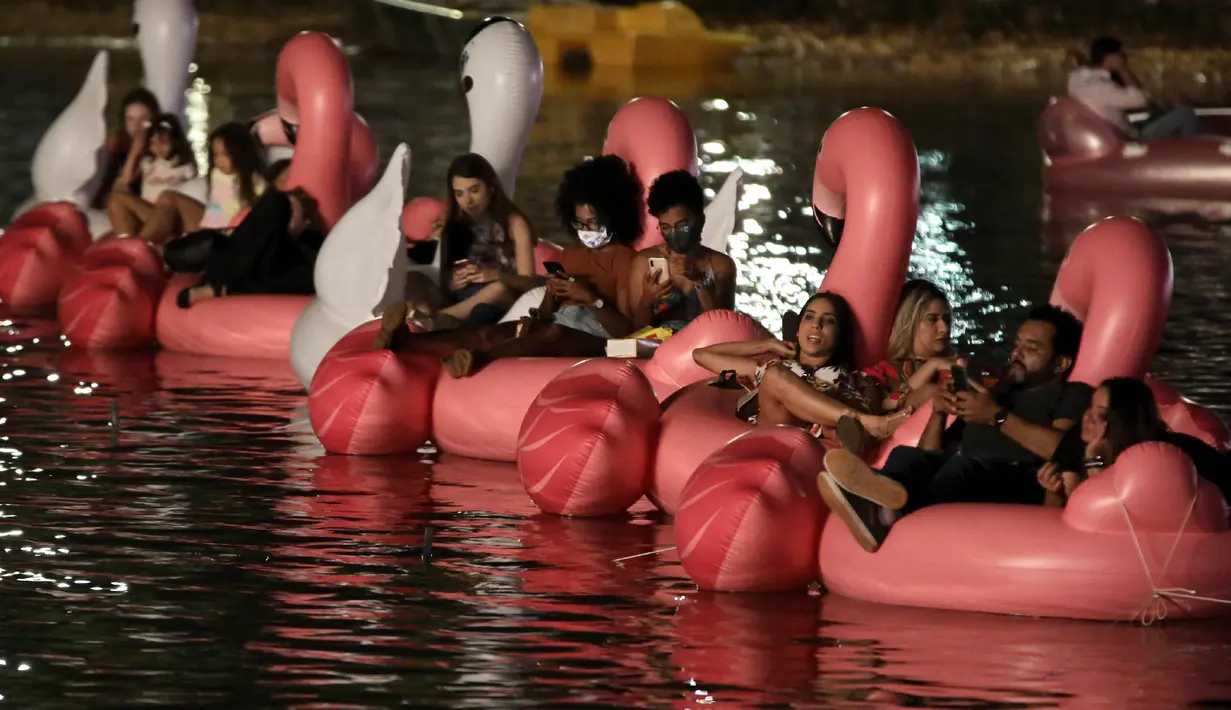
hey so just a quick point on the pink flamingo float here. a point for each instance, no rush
(1145, 535)
(366, 402)
(122, 298)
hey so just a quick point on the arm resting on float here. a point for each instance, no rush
(738, 356)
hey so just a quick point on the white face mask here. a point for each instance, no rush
(594, 239)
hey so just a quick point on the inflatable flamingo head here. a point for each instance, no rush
(654, 137)
(420, 217)
(68, 161)
(1117, 279)
(867, 180)
(167, 40)
(502, 77)
(1068, 129)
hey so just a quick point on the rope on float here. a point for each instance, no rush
(1155, 609)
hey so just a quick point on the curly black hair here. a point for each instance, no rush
(605, 184)
(678, 187)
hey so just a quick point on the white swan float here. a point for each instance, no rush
(502, 77)
(71, 156)
(361, 269)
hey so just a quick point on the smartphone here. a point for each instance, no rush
(959, 379)
(659, 264)
(554, 268)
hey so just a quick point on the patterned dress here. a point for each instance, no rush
(837, 383)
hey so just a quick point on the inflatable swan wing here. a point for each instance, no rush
(502, 75)
(167, 40)
(69, 160)
(360, 270)
(722, 213)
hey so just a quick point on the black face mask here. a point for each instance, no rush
(682, 241)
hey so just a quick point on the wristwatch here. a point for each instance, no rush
(1001, 416)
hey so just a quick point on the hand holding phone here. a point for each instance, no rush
(659, 265)
(961, 383)
(555, 268)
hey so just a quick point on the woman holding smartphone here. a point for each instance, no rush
(487, 245)
(584, 300)
(673, 283)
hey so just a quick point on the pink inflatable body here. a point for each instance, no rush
(1084, 153)
(363, 401)
(39, 251)
(121, 298)
(1145, 537)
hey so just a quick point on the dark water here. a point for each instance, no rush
(210, 553)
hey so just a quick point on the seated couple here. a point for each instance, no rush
(606, 289)
(812, 381)
(998, 448)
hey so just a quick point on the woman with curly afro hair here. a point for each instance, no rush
(584, 301)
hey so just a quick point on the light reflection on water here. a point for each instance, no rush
(213, 554)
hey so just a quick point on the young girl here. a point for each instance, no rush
(170, 163)
(235, 181)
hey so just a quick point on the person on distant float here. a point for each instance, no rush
(1110, 88)
(235, 183)
(1122, 414)
(484, 240)
(809, 381)
(1001, 438)
(127, 146)
(170, 163)
(583, 305)
(696, 279)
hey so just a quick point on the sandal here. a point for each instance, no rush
(183, 299)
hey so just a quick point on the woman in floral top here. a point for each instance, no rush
(810, 382)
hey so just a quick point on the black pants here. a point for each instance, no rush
(933, 477)
(261, 256)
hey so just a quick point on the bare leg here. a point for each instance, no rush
(127, 212)
(787, 399)
(538, 339)
(494, 292)
(173, 214)
(423, 294)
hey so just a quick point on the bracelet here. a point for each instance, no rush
(706, 282)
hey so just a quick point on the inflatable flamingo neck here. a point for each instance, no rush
(867, 173)
(1117, 279)
(167, 40)
(69, 160)
(502, 75)
(1068, 129)
(654, 137)
(314, 91)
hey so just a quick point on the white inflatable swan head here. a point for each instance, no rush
(69, 160)
(167, 40)
(361, 268)
(502, 76)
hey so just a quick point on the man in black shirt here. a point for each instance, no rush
(1003, 438)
